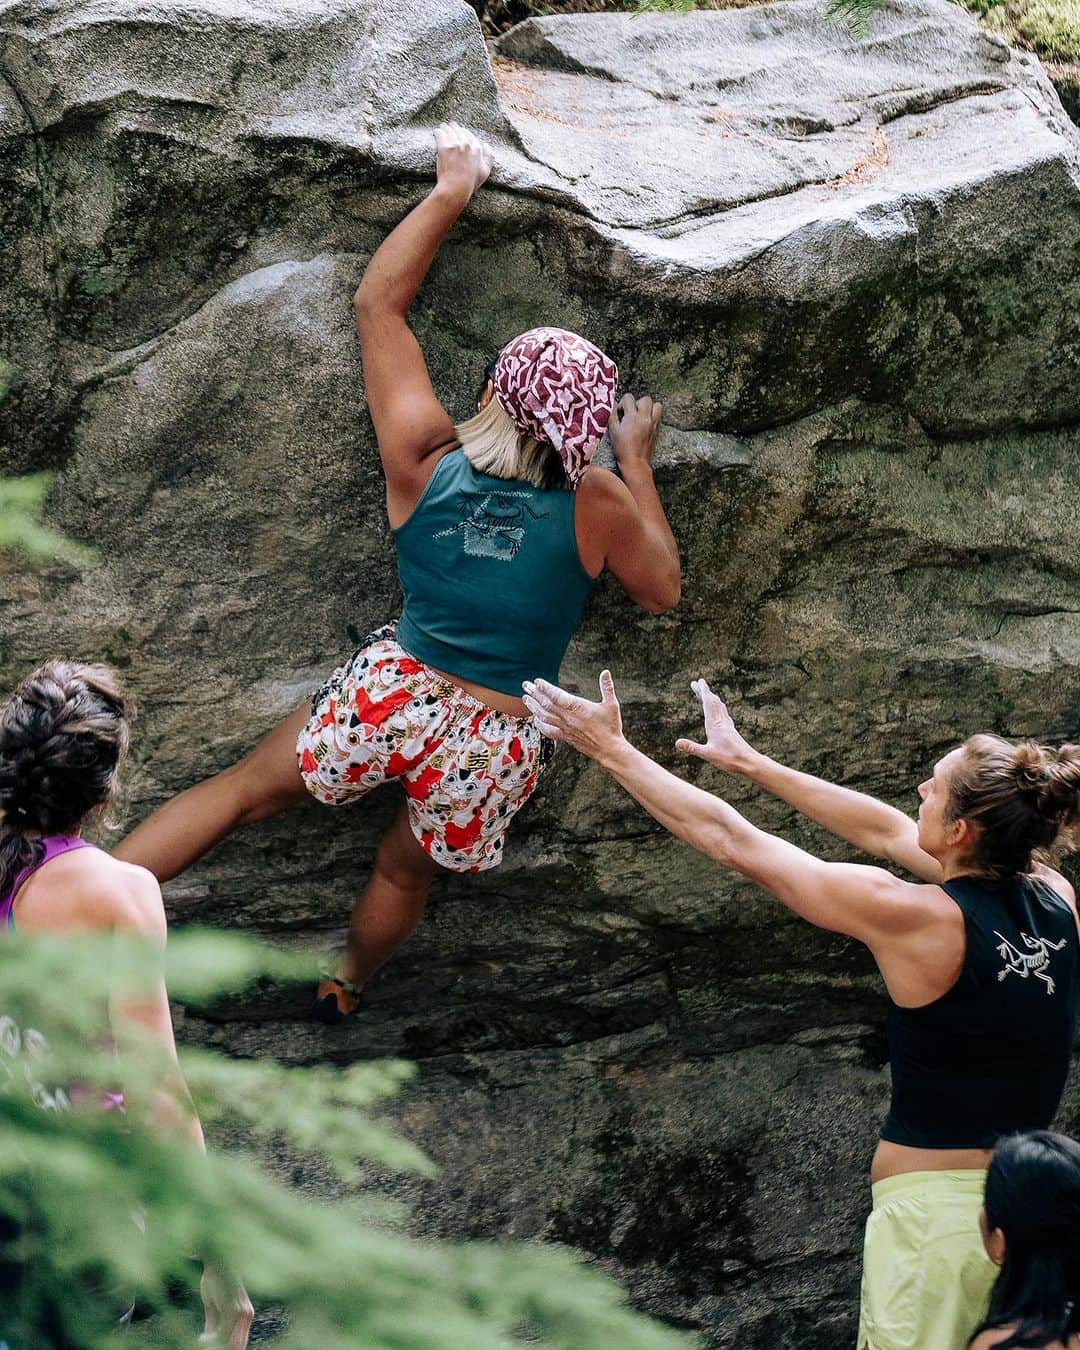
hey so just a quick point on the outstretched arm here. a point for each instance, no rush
(873, 826)
(865, 902)
(410, 422)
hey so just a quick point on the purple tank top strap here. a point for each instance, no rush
(53, 845)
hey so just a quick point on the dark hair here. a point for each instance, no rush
(62, 736)
(1033, 1196)
(1023, 799)
(489, 374)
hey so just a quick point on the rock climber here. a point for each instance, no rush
(501, 525)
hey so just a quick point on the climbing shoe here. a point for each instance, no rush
(335, 999)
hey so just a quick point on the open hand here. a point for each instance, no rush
(723, 746)
(593, 728)
(633, 427)
(463, 161)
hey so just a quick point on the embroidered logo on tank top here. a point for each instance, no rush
(1036, 961)
(494, 525)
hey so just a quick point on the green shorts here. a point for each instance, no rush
(926, 1279)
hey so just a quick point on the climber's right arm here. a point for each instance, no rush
(410, 422)
(875, 827)
(623, 515)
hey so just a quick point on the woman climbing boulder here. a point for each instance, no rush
(502, 524)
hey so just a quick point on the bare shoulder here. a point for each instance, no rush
(599, 489)
(88, 889)
(118, 895)
(912, 906)
(604, 505)
(137, 905)
(986, 1340)
(938, 909)
(1060, 884)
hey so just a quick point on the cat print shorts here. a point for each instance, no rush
(466, 769)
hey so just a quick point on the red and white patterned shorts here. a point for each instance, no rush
(466, 769)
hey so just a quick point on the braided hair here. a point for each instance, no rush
(62, 736)
(1024, 799)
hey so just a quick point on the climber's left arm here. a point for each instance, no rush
(867, 903)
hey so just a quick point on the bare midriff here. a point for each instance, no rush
(893, 1160)
(504, 703)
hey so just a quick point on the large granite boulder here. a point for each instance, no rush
(849, 268)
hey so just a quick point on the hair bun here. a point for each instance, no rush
(1031, 767)
(1051, 777)
(1062, 787)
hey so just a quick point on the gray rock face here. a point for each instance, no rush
(848, 268)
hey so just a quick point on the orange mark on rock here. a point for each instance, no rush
(867, 165)
(517, 91)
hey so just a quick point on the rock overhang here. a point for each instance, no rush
(790, 103)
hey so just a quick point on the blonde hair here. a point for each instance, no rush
(493, 444)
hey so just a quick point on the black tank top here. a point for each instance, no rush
(991, 1055)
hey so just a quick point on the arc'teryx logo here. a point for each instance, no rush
(493, 526)
(1036, 961)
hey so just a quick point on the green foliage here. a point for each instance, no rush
(21, 531)
(71, 1180)
(855, 15)
(664, 6)
(1050, 26)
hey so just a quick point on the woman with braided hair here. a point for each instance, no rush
(63, 735)
(501, 525)
(981, 962)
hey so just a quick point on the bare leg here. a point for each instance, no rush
(392, 903)
(263, 783)
(390, 907)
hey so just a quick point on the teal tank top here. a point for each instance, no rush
(493, 584)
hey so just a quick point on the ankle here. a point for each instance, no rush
(350, 970)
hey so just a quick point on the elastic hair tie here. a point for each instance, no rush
(1046, 773)
(21, 815)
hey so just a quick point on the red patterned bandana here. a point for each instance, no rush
(557, 387)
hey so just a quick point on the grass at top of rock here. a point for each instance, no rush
(499, 15)
(1052, 27)
(1049, 27)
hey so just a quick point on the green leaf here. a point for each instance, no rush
(72, 1182)
(22, 501)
